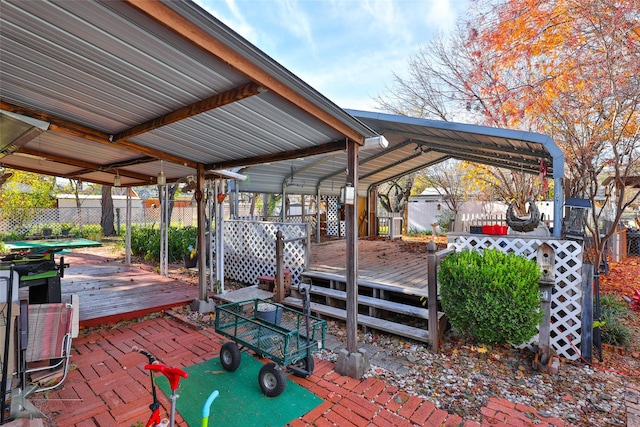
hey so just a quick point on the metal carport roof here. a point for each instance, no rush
(131, 87)
(121, 85)
(413, 145)
(124, 84)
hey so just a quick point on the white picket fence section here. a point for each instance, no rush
(250, 249)
(566, 303)
(464, 221)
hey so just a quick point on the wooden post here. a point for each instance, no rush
(372, 210)
(279, 266)
(546, 261)
(432, 294)
(318, 225)
(586, 344)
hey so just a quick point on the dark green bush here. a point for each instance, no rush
(490, 296)
(146, 242)
(613, 312)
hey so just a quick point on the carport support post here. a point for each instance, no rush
(202, 242)
(127, 256)
(352, 362)
(203, 304)
(432, 296)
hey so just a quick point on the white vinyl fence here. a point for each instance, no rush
(250, 249)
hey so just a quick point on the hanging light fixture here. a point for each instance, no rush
(162, 179)
(116, 180)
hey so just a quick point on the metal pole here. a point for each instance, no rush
(351, 225)
(211, 230)
(164, 231)
(127, 256)
(220, 237)
(202, 244)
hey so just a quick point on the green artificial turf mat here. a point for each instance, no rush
(241, 401)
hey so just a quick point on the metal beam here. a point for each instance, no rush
(410, 171)
(277, 157)
(216, 101)
(199, 37)
(69, 128)
(368, 159)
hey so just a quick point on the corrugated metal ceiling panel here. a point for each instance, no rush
(104, 67)
(107, 66)
(414, 144)
(255, 126)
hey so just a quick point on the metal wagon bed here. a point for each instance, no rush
(284, 335)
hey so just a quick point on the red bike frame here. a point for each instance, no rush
(173, 375)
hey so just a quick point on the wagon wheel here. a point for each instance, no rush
(304, 367)
(272, 380)
(523, 224)
(230, 356)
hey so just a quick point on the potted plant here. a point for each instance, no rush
(191, 257)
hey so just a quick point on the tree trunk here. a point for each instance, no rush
(252, 209)
(107, 212)
(76, 190)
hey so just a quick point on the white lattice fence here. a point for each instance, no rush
(333, 218)
(250, 249)
(566, 308)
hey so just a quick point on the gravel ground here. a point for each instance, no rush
(463, 377)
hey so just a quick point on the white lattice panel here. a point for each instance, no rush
(333, 216)
(566, 308)
(250, 249)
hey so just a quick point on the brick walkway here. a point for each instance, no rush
(114, 388)
(632, 400)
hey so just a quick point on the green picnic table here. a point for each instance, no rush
(21, 245)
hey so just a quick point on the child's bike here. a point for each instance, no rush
(173, 375)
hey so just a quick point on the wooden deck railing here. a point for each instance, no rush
(404, 311)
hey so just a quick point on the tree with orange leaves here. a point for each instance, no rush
(567, 68)
(571, 69)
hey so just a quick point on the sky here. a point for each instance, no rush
(347, 50)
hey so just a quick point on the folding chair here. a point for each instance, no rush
(49, 333)
(45, 335)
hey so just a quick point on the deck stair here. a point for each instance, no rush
(384, 307)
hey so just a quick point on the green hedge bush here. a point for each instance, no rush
(146, 242)
(490, 296)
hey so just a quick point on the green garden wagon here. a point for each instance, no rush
(281, 334)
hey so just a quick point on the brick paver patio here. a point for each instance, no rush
(109, 386)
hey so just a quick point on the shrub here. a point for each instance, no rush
(491, 296)
(613, 312)
(146, 242)
(444, 220)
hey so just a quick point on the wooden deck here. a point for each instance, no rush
(386, 262)
(110, 291)
(392, 286)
